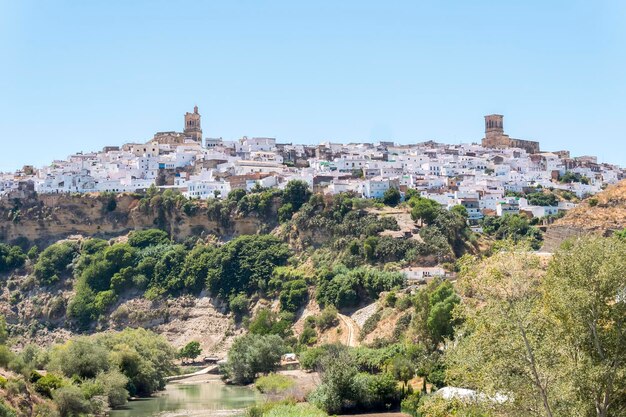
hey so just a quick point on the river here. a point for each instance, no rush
(202, 399)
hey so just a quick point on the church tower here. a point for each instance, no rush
(193, 128)
(493, 125)
(494, 132)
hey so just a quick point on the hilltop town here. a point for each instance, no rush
(489, 178)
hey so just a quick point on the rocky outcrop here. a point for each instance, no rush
(602, 214)
(46, 218)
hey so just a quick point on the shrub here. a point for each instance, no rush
(239, 305)
(390, 299)
(327, 318)
(71, 401)
(11, 257)
(370, 324)
(274, 383)
(48, 383)
(293, 295)
(53, 261)
(82, 357)
(6, 411)
(150, 237)
(308, 336)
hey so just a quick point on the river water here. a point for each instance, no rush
(202, 399)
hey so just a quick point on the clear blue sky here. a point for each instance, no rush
(78, 75)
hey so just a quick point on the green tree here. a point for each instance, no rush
(402, 369)
(190, 351)
(296, 193)
(424, 209)
(81, 357)
(253, 354)
(392, 197)
(245, 264)
(506, 346)
(4, 334)
(585, 290)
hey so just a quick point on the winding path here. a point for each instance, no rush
(353, 330)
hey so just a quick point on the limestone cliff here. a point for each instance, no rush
(42, 219)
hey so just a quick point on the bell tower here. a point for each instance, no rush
(193, 129)
(493, 125)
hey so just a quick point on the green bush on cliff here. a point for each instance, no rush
(151, 237)
(245, 264)
(11, 257)
(53, 261)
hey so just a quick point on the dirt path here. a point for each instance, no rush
(353, 330)
(203, 371)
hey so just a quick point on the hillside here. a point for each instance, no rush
(602, 214)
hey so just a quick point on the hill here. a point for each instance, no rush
(603, 214)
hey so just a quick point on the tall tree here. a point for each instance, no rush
(505, 349)
(586, 293)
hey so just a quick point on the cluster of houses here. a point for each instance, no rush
(477, 176)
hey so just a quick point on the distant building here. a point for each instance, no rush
(495, 137)
(192, 131)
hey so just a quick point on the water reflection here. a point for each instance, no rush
(198, 400)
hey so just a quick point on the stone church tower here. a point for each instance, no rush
(193, 128)
(495, 137)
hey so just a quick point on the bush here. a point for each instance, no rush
(144, 357)
(53, 261)
(151, 237)
(48, 383)
(293, 295)
(6, 411)
(82, 357)
(71, 401)
(11, 257)
(274, 384)
(267, 322)
(239, 305)
(370, 324)
(113, 386)
(376, 392)
(328, 318)
(390, 299)
(308, 336)
(310, 359)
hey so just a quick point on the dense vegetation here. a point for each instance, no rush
(477, 334)
(86, 375)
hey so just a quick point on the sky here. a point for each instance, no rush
(79, 75)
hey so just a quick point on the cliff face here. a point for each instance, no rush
(43, 219)
(601, 214)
